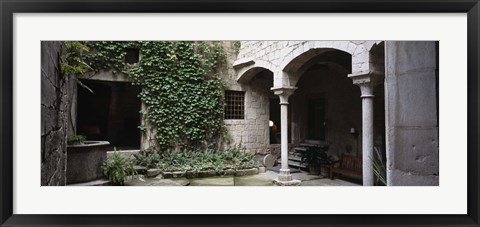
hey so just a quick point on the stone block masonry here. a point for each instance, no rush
(54, 119)
(412, 118)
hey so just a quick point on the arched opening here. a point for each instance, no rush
(261, 84)
(327, 105)
(261, 124)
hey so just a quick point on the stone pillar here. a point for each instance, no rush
(366, 82)
(284, 177)
(411, 118)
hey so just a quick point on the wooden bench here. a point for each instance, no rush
(350, 166)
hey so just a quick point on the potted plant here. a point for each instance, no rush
(117, 167)
(76, 139)
(315, 157)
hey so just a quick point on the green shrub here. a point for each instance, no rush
(117, 167)
(74, 62)
(147, 159)
(76, 139)
(232, 158)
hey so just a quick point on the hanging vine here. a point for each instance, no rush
(181, 87)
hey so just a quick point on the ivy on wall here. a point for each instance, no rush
(181, 87)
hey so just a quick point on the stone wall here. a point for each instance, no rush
(253, 130)
(411, 113)
(54, 121)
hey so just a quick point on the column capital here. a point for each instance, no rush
(366, 81)
(366, 78)
(284, 93)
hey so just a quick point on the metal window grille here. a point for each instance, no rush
(234, 105)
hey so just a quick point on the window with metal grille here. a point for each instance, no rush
(234, 104)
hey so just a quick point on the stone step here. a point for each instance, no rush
(294, 158)
(294, 164)
(297, 149)
(306, 145)
(312, 143)
(297, 164)
(99, 182)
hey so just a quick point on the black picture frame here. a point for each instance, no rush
(9, 7)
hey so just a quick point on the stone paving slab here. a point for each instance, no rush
(306, 176)
(213, 181)
(327, 182)
(262, 179)
(181, 181)
(253, 180)
(299, 176)
(139, 180)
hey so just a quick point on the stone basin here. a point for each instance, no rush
(84, 161)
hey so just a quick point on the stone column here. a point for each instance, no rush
(284, 177)
(366, 82)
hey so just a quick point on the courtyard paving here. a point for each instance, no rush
(262, 179)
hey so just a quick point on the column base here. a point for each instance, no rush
(287, 183)
(286, 179)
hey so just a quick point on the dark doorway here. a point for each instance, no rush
(274, 123)
(111, 113)
(316, 119)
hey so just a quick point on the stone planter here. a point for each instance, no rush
(178, 174)
(192, 174)
(207, 173)
(84, 161)
(227, 172)
(244, 172)
(262, 169)
(153, 172)
(167, 175)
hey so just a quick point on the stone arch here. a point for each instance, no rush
(313, 57)
(327, 102)
(292, 63)
(254, 77)
(246, 73)
(310, 49)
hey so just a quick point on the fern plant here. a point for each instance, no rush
(379, 168)
(74, 63)
(117, 167)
